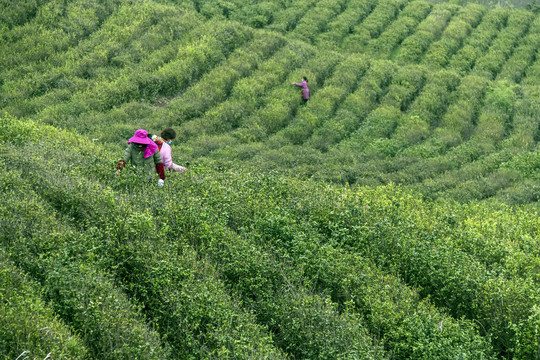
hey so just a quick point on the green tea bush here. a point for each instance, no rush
(94, 56)
(316, 19)
(280, 106)
(397, 31)
(492, 62)
(456, 125)
(483, 177)
(146, 277)
(462, 113)
(380, 123)
(258, 15)
(405, 86)
(342, 82)
(194, 59)
(453, 36)
(247, 94)
(202, 55)
(215, 85)
(344, 23)
(526, 344)
(479, 40)
(304, 324)
(356, 105)
(58, 24)
(413, 47)
(78, 294)
(531, 75)
(383, 148)
(526, 164)
(496, 118)
(287, 19)
(278, 230)
(524, 192)
(275, 115)
(20, 13)
(523, 55)
(488, 312)
(102, 314)
(411, 130)
(372, 26)
(292, 229)
(29, 326)
(187, 301)
(434, 98)
(141, 281)
(195, 328)
(526, 128)
(381, 16)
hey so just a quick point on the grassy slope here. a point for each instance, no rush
(237, 264)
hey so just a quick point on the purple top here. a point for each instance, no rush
(167, 158)
(305, 90)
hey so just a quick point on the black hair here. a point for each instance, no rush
(305, 78)
(168, 134)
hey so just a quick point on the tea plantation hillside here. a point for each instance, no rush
(394, 216)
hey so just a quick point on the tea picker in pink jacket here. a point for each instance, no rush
(164, 145)
(305, 89)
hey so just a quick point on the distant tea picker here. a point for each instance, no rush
(143, 152)
(305, 90)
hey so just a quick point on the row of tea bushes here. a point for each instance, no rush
(342, 82)
(382, 85)
(408, 19)
(413, 47)
(29, 326)
(458, 29)
(285, 224)
(507, 173)
(372, 26)
(60, 260)
(180, 294)
(339, 28)
(150, 82)
(20, 13)
(48, 30)
(523, 55)
(502, 47)
(147, 250)
(450, 152)
(215, 85)
(281, 105)
(316, 19)
(124, 41)
(286, 19)
(479, 41)
(382, 122)
(248, 93)
(418, 245)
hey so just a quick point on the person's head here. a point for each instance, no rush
(168, 134)
(142, 142)
(304, 78)
(140, 139)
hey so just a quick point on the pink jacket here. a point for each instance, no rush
(166, 156)
(305, 90)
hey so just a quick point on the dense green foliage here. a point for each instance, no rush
(392, 216)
